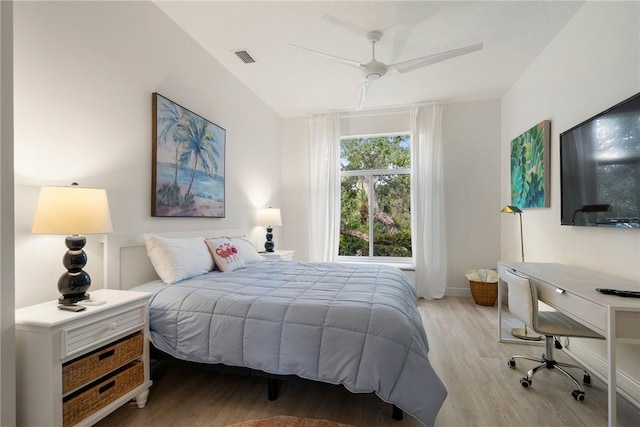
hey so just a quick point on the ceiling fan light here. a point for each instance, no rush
(373, 70)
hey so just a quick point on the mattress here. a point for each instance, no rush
(355, 325)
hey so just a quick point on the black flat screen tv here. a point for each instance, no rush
(600, 169)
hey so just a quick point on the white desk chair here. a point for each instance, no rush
(523, 303)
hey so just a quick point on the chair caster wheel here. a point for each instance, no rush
(578, 395)
(524, 382)
(586, 379)
(511, 363)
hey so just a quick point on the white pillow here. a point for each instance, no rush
(225, 254)
(246, 250)
(178, 259)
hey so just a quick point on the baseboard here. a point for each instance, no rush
(627, 386)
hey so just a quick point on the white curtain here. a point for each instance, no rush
(324, 186)
(429, 244)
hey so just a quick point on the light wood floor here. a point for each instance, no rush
(483, 391)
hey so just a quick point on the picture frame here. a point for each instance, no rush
(188, 163)
(530, 183)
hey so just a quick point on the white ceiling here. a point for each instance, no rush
(295, 83)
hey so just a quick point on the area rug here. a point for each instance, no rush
(289, 421)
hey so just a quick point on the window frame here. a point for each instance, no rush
(407, 263)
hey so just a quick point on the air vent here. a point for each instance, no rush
(244, 56)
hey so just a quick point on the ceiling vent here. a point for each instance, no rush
(244, 56)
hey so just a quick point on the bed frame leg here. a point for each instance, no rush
(396, 413)
(272, 388)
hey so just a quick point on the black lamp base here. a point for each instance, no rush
(74, 284)
(72, 299)
(269, 245)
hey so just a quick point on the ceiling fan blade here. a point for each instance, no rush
(346, 61)
(364, 88)
(414, 64)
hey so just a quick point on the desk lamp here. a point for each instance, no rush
(522, 333)
(516, 210)
(73, 211)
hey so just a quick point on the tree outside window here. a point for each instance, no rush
(375, 197)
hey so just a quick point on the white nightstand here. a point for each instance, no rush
(283, 255)
(74, 368)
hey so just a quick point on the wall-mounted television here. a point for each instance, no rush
(600, 169)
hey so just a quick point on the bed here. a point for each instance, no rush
(355, 325)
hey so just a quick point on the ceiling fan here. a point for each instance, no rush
(374, 69)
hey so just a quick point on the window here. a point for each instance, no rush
(375, 198)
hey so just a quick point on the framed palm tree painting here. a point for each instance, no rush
(187, 164)
(530, 167)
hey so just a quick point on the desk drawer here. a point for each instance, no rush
(91, 334)
(591, 314)
(85, 369)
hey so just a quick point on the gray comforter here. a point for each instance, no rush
(338, 323)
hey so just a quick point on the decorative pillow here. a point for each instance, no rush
(178, 259)
(225, 254)
(246, 250)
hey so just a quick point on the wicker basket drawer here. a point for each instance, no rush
(79, 405)
(92, 366)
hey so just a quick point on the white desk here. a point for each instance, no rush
(572, 291)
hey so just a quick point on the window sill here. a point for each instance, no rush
(402, 265)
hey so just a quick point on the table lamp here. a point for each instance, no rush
(522, 333)
(269, 217)
(73, 211)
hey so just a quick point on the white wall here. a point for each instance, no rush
(472, 178)
(375, 122)
(84, 75)
(591, 65)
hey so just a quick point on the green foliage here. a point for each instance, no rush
(377, 152)
(393, 244)
(527, 168)
(391, 197)
(353, 246)
(168, 195)
(188, 200)
(354, 205)
(386, 244)
(394, 197)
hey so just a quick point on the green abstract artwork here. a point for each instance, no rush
(530, 167)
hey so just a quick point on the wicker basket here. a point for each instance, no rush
(78, 406)
(80, 371)
(484, 293)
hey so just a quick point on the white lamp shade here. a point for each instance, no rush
(72, 210)
(269, 216)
